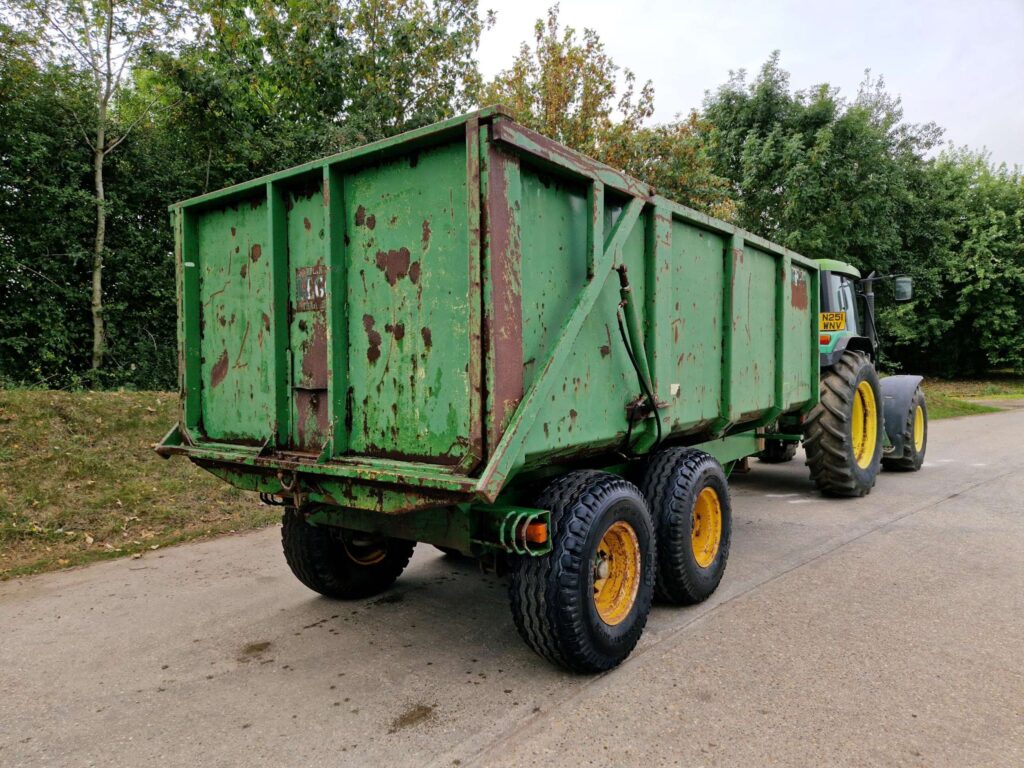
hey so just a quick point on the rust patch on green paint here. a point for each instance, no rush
(360, 216)
(255, 252)
(414, 272)
(397, 330)
(428, 340)
(394, 264)
(798, 297)
(219, 370)
(426, 234)
(314, 357)
(374, 337)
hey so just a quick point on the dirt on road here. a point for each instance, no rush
(879, 631)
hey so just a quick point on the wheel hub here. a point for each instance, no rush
(864, 425)
(616, 572)
(363, 548)
(706, 531)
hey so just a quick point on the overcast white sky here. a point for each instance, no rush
(960, 64)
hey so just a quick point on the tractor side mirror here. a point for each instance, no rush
(903, 288)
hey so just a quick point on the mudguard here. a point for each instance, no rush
(897, 394)
(859, 343)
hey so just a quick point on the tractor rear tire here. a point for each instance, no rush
(339, 562)
(844, 431)
(915, 437)
(777, 451)
(584, 605)
(688, 495)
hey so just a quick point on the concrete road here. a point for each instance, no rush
(881, 631)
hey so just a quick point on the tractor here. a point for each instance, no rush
(862, 422)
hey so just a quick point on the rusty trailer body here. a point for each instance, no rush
(408, 337)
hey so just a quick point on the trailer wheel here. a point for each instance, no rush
(777, 451)
(584, 605)
(843, 432)
(340, 562)
(915, 437)
(689, 500)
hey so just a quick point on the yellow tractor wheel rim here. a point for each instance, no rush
(918, 429)
(706, 534)
(616, 572)
(864, 425)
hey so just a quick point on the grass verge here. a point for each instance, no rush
(79, 482)
(947, 399)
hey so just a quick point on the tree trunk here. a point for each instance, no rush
(99, 336)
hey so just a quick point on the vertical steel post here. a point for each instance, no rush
(336, 308)
(190, 312)
(280, 375)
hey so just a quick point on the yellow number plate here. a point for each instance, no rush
(833, 321)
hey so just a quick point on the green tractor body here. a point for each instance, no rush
(862, 422)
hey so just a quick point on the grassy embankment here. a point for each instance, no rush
(79, 480)
(957, 398)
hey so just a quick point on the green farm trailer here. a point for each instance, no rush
(471, 336)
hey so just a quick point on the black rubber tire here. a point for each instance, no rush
(827, 431)
(777, 451)
(552, 596)
(319, 558)
(912, 458)
(672, 481)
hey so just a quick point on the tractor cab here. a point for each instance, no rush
(847, 306)
(843, 323)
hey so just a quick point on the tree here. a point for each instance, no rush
(102, 38)
(569, 90)
(849, 179)
(45, 218)
(811, 170)
(968, 314)
(413, 63)
(290, 81)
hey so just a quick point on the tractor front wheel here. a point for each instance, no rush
(843, 432)
(915, 437)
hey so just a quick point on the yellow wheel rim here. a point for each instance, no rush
(864, 425)
(364, 549)
(918, 429)
(706, 535)
(616, 572)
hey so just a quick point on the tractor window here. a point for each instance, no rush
(846, 301)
